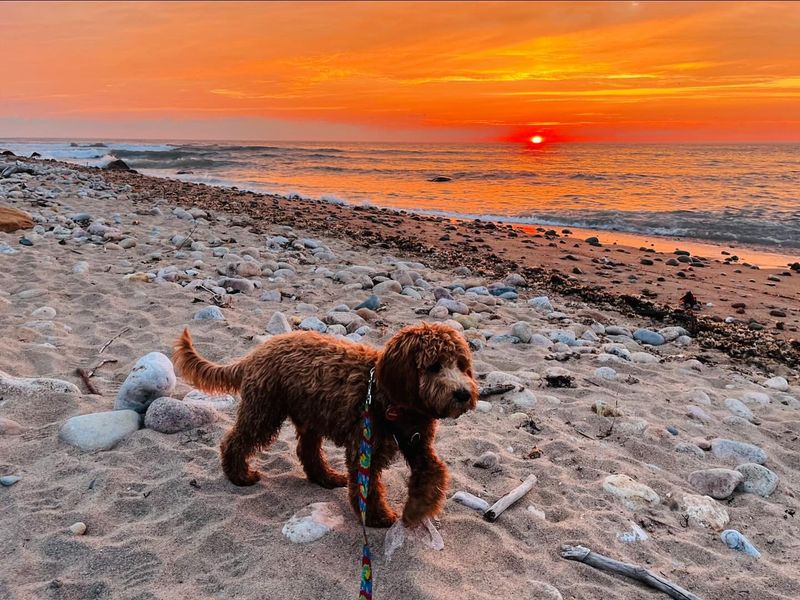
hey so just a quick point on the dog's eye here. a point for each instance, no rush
(435, 367)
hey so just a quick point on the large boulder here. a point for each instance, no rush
(151, 377)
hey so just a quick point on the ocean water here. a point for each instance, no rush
(729, 194)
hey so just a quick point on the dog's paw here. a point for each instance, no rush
(247, 479)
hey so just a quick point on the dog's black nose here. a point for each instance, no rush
(462, 395)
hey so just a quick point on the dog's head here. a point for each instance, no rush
(428, 367)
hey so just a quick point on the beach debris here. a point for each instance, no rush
(151, 377)
(78, 528)
(757, 479)
(559, 377)
(15, 169)
(737, 541)
(168, 415)
(313, 522)
(425, 533)
(494, 511)
(34, 387)
(634, 495)
(496, 390)
(471, 501)
(9, 480)
(440, 179)
(99, 431)
(639, 573)
(704, 512)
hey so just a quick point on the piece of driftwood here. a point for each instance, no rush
(109, 342)
(105, 361)
(496, 509)
(598, 561)
(496, 390)
(87, 382)
(188, 237)
(18, 168)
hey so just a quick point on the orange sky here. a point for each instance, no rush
(401, 71)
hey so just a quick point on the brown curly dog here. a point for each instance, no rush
(424, 373)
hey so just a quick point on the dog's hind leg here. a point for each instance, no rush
(257, 426)
(309, 451)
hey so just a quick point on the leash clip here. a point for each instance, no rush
(370, 385)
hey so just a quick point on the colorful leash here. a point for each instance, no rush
(364, 461)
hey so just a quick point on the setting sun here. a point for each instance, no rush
(537, 139)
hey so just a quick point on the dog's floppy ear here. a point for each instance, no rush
(396, 371)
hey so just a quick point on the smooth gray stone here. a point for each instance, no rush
(99, 431)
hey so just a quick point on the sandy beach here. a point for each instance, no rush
(631, 406)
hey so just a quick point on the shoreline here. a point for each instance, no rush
(772, 257)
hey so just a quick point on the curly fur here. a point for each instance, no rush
(320, 383)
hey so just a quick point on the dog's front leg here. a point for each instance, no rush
(428, 482)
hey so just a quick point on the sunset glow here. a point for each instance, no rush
(622, 71)
(537, 139)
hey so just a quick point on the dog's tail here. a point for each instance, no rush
(203, 373)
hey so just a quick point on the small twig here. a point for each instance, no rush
(603, 563)
(496, 509)
(89, 385)
(109, 342)
(495, 390)
(586, 435)
(100, 364)
(188, 237)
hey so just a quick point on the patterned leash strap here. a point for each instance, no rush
(364, 462)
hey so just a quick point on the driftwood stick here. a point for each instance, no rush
(100, 364)
(109, 342)
(495, 390)
(496, 509)
(598, 561)
(188, 237)
(87, 382)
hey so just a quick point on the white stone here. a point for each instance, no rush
(634, 495)
(313, 522)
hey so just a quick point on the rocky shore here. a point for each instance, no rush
(659, 434)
